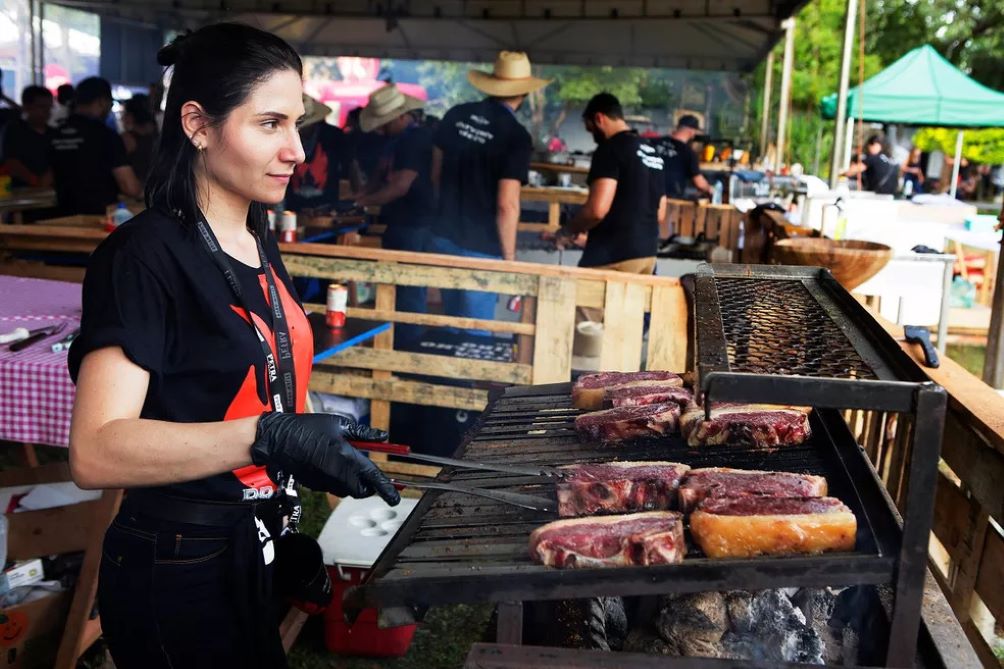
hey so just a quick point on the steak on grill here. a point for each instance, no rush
(587, 393)
(644, 392)
(733, 527)
(612, 426)
(649, 538)
(618, 487)
(757, 425)
(725, 482)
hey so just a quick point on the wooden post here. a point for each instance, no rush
(768, 84)
(993, 365)
(552, 348)
(845, 80)
(380, 409)
(785, 101)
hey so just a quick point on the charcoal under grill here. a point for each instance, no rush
(458, 548)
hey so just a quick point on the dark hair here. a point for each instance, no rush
(65, 93)
(138, 106)
(91, 89)
(875, 139)
(217, 66)
(32, 93)
(604, 103)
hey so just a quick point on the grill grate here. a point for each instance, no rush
(777, 327)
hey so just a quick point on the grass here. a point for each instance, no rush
(970, 357)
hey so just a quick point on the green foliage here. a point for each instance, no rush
(979, 146)
(447, 82)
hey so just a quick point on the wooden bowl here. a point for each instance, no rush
(852, 261)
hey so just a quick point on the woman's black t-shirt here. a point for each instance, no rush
(152, 289)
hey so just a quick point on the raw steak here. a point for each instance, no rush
(653, 537)
(758, 425)
(587, 393)
(643, 392)
(725, 482)
(727, 527)
(612, 426)
(618, 487)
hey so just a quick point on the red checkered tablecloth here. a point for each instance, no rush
(36, 394)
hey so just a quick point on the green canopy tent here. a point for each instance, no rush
(922, 88)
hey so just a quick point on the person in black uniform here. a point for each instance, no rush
(879, 173)
(192, 366)
(26, 140)
(316, 182)
(481, 159)
(680, 164)
(626, 194)
(89, 159)
(402, 185)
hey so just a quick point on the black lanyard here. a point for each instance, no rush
(282, 393)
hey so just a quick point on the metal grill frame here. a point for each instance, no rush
(899, 386)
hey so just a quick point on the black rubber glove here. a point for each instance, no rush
(313, 448)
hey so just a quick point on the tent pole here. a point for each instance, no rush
(845, 77)
(993, 365)
(848, 145)
(768, 84)
(785, 101)
(957, 164)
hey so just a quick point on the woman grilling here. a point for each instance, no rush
(192, 366)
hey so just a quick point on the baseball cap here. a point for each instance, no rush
(689, 121)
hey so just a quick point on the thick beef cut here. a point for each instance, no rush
(758, 425)
(724, 482)
(653, 537)
(730, 527)
(618, 487)
(613, 426)
(645, 392)
(587, 393)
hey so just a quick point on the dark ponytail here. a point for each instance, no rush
(217, 66)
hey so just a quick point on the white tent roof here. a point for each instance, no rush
(693, 34)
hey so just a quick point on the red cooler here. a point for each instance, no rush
(352, 539)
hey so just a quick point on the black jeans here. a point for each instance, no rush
(168, 596)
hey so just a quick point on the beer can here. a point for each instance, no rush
(338, 299)
(287, 227)
(271, 219)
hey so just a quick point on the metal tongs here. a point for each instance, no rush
(513, 498)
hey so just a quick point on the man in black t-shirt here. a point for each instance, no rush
(681, 166)
(88, 158)
(402, 185)
(481, 159)
(315, 181)
(879, 173)
(26, 141)
(11, 112)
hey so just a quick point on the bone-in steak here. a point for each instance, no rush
(587, 393)
(612, 426)
(757, 425)
(653, 537)
(645, 392)
(724, 482)
(618, 487)
(728, 527)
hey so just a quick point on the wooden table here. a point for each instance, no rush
(554, 197)
(25, 199)
(558, 167)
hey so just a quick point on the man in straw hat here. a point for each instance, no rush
(481, 158)
(402, 184)
(314, 184)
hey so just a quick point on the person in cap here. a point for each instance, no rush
(480, 160)
(315, 182)
(681, 166)
(89, 159)
(879, 173)
(402, 184)
(626, 198)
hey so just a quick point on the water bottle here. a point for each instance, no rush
(122, 214)
(717, 197)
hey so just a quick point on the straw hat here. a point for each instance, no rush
(385, 105)
(314, 111)
(510, 77)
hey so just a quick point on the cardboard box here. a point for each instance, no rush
(30, 633)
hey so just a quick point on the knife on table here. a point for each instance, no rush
(37, 335)
(405, 452)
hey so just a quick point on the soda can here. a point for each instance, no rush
(287, 227)
(271, 219)
(338, 300)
